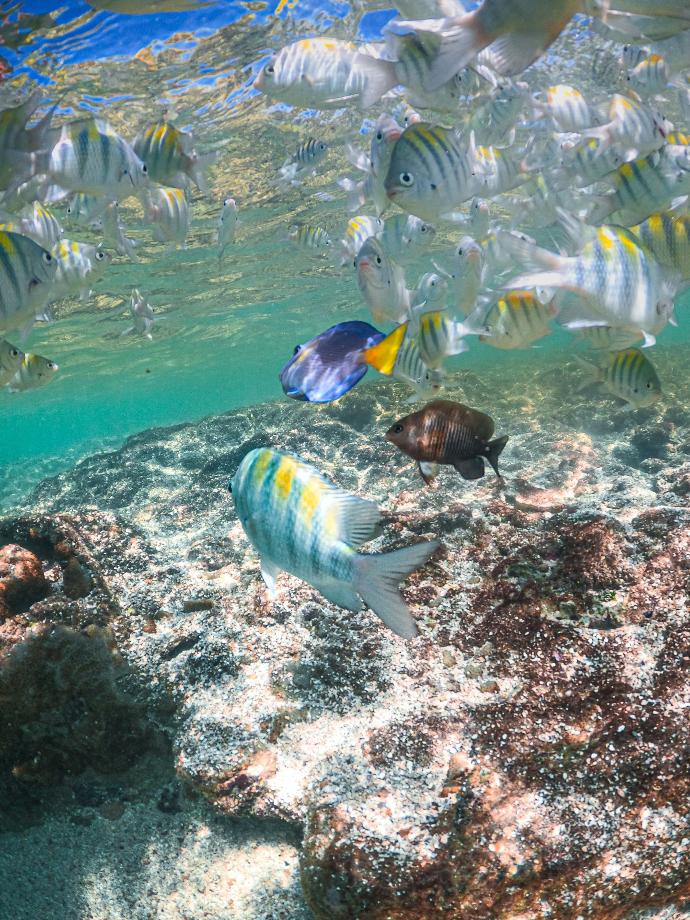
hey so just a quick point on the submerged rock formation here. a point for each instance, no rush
(527, 756)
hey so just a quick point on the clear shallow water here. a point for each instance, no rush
(223, 331)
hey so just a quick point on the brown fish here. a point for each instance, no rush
(448, 432)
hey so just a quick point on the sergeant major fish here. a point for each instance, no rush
(301, 523)
(27, 280)
(170, 158)
(629, 375)
(11, 358)
(34, 371)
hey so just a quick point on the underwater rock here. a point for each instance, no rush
(527, 755)
(22, 580)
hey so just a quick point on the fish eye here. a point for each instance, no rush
(47, 258)
(460, 251)
(144, 168)
(433, 187)
(378, 260)
(354, 264)
(406, 178)
(398, 428)
(52, 366)
(322, 146)
(379, 136)
(15, 354)
(297, 350)
(649, 386)
(270, 68)
(230, 487)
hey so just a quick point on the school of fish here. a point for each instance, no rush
(564, 207)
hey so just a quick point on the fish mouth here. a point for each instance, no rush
(393, 191)
(259, 80)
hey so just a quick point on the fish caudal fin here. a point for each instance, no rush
(515, 51)
(377, 578)
(494, 449)
(383, 355)
(452, 42)
(380, 78)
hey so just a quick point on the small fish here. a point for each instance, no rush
(494, 122)
(79, 267)
(431, 292)
(518, 31)
(142, 314)
(584, 163)
(87, 210)
(325, 72)
(623, 284)
(301, 523)
(446, 432)
(359, 229)
(496, 171)
(168, 210)
(608, 338)
(42, 226)
(309, 237)
(384, 136)
(303, 161)
(437, 335)
(19, 144)
(643, 186)
(114, 234)
(227, 225)
(479, 218)
(430, 172)
(629, 375)
(170, 158)
(91, 157)
(568, 108)
(411, 64)
(467, 274)
(10, 360)
(399, 356)
(27, 280)
(34, 371)
(633, 127)
(382, 283)
(405, 234)
(650, 75)
(517, 320)
(329, 365)
(667, 237)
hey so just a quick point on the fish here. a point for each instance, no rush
(300, 522)
(431, 292)
(79, 267)
(359, 229)
(518, 319)
(567, 107)
(170, 157)
(448, 433)
(617, 275)
(405, 234)
(430, 171)
(494, 122)
(227, 224)
(27, 281)
(629, 375)
(496, 171)
(167, 210)
(467, 274)
(411, 64)
(87, 210)
(381, 282)
(303, 161)
(608, 338)
(386, 132)
(650, 75)
(324, 73)
(41, 225)
(114, 234)
(517, 31)
(142, 314)
(667, 237)
(437, 335)
(21, 146)
(89, 156)
(309, 237)
(329, 365)
(34, 371)
(643, 186)
(398, 355)
(633, 127)
(584, 163)
(11, 358)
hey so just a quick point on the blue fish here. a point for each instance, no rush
(330, 364)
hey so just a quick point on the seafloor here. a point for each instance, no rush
(175, 746)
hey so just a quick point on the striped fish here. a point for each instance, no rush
(399, 356)
(584, 163)
(300, 522)
(10, 361)
(34, 371)
(413, 60)
(86, 210)
(632, 126)
(430, 172)
(667, 237)
(309, 237)
(494, 122)
(467, 274)
(628, 375)
(608, 338)
(496, 171)
(79, 267)
(18, 143)
(167, 210)
(644, 186)
(325, 72)
(678, 138)
(170, 157)
(650, 75)
(405, 233)
(386, 132)
(623, 283)
(517, 320)
(90, 157)
(359, 229)
(114, 232)
(27, 280)
(431, 292)
(438, 336)
(568, 108)
(42, 226)
(304, 160)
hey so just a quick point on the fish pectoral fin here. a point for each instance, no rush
(358, 520)
(428, 471)
(340, 594)
(515, 51)
(269, 573)
(470, 469)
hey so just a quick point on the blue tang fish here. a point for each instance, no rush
(300, 522)
(330, 364)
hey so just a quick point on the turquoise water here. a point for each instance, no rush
(223, 331)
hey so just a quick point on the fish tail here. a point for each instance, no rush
(377, 578)
(453, 41)
(529, 254)
(595, 373)
(382, 356)
(494, 449)
(355, 193)
(380, 78)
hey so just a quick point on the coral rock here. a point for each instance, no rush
(22, 580)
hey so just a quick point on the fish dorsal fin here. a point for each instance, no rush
(383, 356)
(356, 519)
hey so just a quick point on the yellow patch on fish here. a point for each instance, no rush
(261, 465)
(6, 243)
(310, 499)
(284, 477)
(383, 355)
